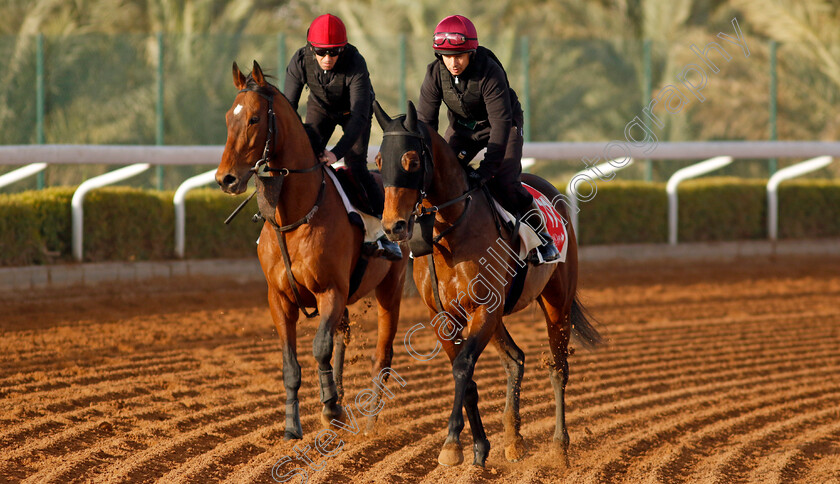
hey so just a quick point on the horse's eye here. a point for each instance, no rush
(254, 120)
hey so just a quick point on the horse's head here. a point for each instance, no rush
(405, 164)
(250, 130)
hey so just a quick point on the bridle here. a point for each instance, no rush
(271, 179)
(264, 171)
(405, 180)
(422, 214)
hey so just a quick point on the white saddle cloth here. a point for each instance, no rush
(373, 226)
(528, 238)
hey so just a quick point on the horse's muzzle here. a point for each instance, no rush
(398, 231)
(231, 184)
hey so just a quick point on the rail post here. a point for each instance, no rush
(793, 171)
(680, 176)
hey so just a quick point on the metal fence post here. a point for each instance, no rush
(526, 87)
(40, 104)
(648, 80)
(772, 163)
(402, 93)
(281, 61)
(159, 108)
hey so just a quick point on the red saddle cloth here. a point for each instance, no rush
(553, 221)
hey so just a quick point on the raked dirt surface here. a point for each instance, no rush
(714, 372)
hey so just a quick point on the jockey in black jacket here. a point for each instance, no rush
(483, 112)
(340, 93)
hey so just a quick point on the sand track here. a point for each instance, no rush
(714, 373)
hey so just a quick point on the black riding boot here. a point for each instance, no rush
(547, 252)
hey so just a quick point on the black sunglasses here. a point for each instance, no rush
(332, 52)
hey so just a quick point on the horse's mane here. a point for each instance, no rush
(318, 145)
(268, 89)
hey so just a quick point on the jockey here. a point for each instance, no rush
(483, 112)
(340, 93)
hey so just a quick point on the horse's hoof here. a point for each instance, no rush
(451, 455)
(516, 451)
(326, 420)
(291, 436)
(561, 450)
(370, 427)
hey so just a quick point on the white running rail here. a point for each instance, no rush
(599, 171)
(180, 208)
(77, 202)
(793, 171)
(21, 173)
(680, 176)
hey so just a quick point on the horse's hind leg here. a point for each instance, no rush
(388, 298)
(558, 323)
(285, 320)
(513, 361)
(340, 341)
(332, 310)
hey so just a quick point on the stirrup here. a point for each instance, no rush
(545, 253)
(383, 248)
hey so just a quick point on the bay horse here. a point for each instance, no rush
(422, 176)
(308, 249)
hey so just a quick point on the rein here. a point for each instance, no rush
(271, 180)
(422, 211)
(428, 169)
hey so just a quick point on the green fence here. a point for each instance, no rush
(174, 90)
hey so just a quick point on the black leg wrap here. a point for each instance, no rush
(293, 428)
(328, 389)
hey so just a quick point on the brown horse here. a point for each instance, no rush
(306, 216)
(421, 174)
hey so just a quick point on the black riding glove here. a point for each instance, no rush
(476, 178)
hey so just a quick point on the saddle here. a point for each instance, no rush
(348, 192)
(421, 239)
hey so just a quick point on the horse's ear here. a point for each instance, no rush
(257, 74)
(411, 118)
(381, 117)
(238, 77)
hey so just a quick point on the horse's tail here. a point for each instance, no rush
(582, 328)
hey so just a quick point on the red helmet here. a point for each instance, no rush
(455, 34)
(327, 31)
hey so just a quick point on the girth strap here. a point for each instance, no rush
(281, 237)
(268, 215)
(433, 274)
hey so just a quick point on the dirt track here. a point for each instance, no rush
(726, 372)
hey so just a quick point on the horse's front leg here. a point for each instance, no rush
(388, 297)
(481, 329)
(331, 305)
(285, 318)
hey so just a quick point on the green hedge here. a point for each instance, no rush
(710, 209)
(20, 242)
(624, 212)
(809, 208)
(134, 224)
(121, 224)
(722, 209)
(207, 235)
